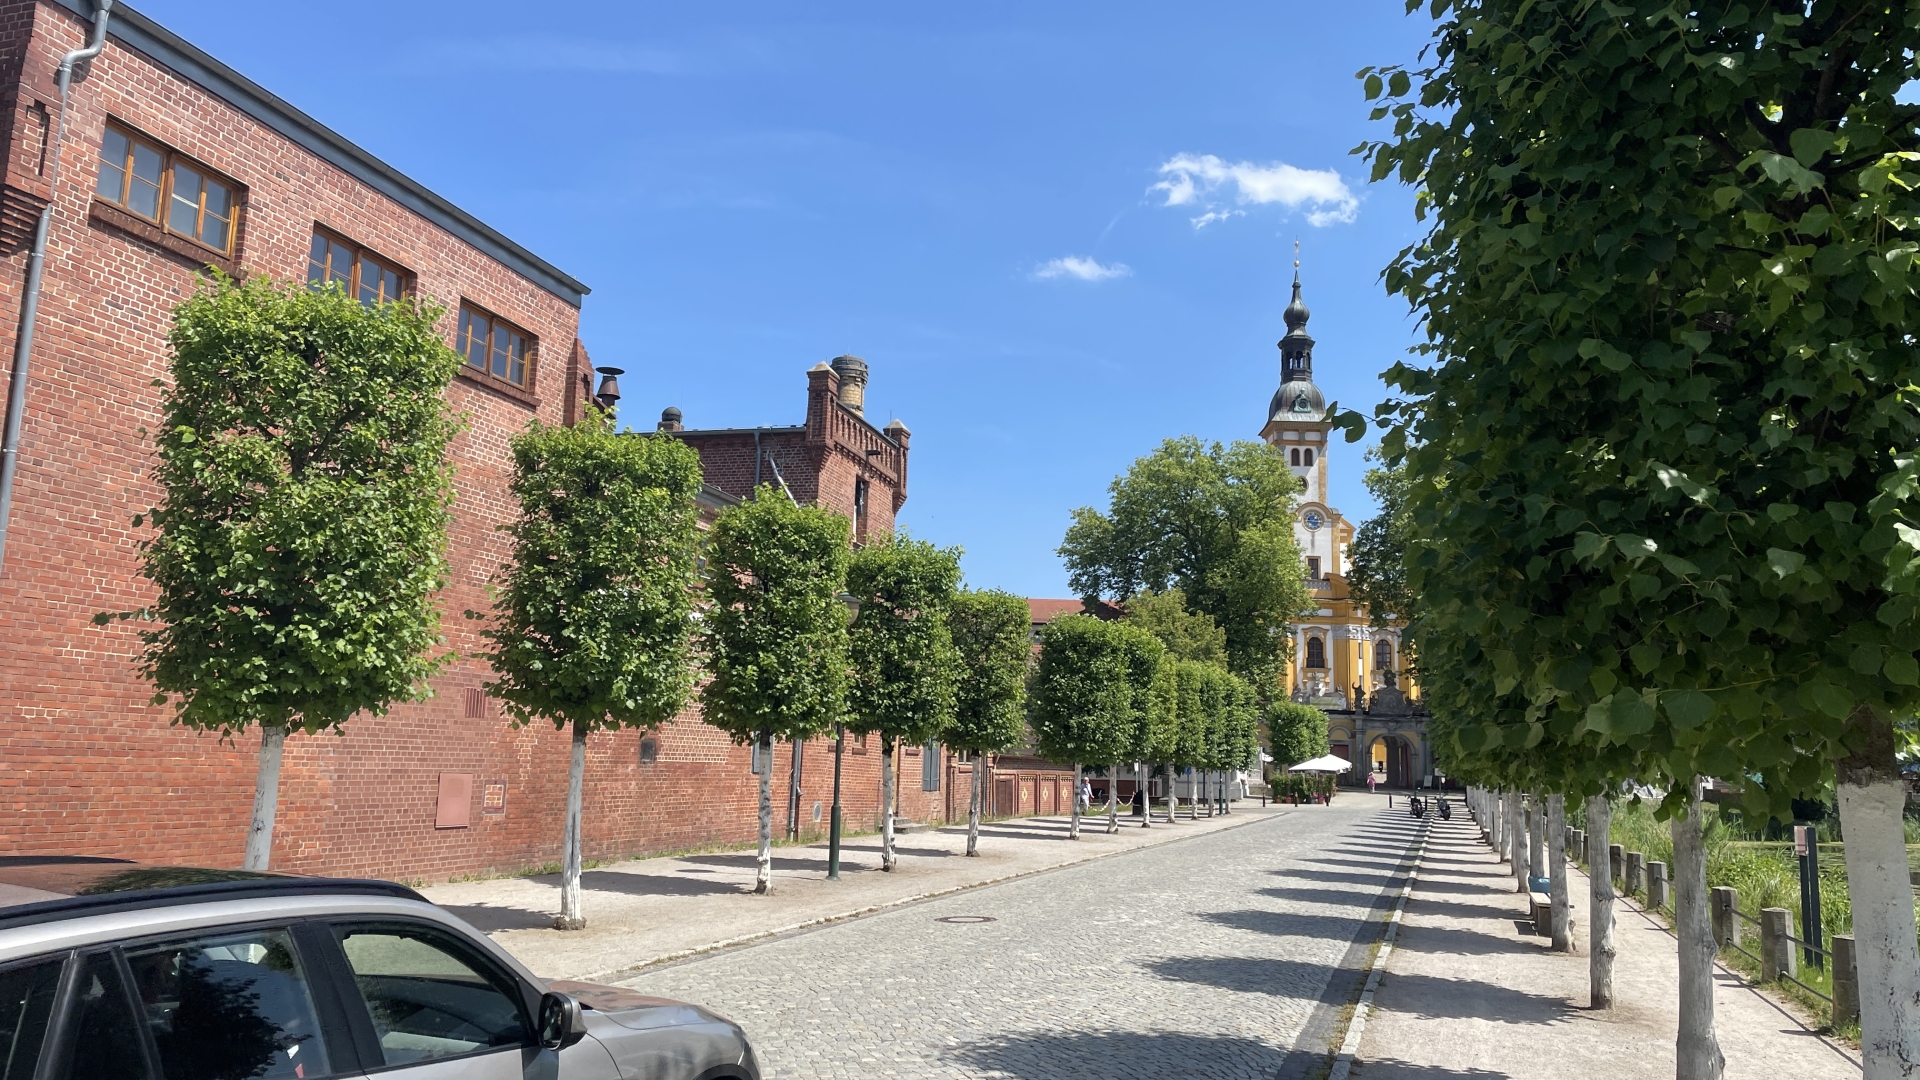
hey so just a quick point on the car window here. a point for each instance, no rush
(428, 996)
(26, 1004)
(229, 1005)
(106, 1038)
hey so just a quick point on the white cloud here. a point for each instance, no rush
(1073, 266)
(1196, 179)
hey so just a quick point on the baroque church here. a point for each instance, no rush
(1342, 663)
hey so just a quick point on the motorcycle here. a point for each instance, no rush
(1417, 806)
(1446, 810)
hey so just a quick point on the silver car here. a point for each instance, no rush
(118, 970)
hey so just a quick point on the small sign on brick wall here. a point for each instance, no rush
(455, 808)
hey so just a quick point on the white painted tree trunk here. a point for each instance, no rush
(1173, 799)
(973, 804)
(1562, 923)
(1497, 822)
(572, 917)
(1537, 838)
(887, 786)
(1517, 831)
(763, 876)
(1696, 1049)
(1600, 947)
(266, 796)
(1113, 797)
(1885, 954)
(1073, 823)
(1140, 771)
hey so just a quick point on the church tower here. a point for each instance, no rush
(1297, 425)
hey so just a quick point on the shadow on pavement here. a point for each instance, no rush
(488, 919)
(1042, 1056)
(1463, 999)
(1340, 877)
(1312, 895)
(748, 861)
(1246, 974)
(1450, 941)
(1289, 923)
(1375, 1068)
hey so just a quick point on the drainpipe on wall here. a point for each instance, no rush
(30, 298)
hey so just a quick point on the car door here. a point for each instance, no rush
(429, 1006)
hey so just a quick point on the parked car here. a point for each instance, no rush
(117, 970)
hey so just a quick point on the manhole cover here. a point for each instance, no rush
(965, 920)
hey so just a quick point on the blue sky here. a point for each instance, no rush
(1058, 233)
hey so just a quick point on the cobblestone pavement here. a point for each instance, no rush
(1202, 958)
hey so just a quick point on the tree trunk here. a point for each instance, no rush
(793, 789)
(1697, 1050)
(1497, 823)
(1140, 777)
(1073, 823)
(1517, 829)
(572, 917)
(1537, 839)
(1600, 911)
(1113, 798)
(973, 804)
(1173, 799)
(1557, 872)
(266, 796)
(1872, 801)
(763, 877)
(886, 803)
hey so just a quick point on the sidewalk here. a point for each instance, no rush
(644, 911)
(1468, 994)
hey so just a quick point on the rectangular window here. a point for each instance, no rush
(357, 271)
(144, 177)
(1313, 568)
(232, 1004)
(494, 345)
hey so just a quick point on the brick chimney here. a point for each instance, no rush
(853, 382)
(670, 420)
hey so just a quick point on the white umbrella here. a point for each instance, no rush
(1328, 764)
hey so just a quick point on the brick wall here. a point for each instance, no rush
(87, 765)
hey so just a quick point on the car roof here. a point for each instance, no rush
(43, 888)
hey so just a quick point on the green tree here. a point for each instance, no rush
(1376, 558)
(1298, 733)
(774, 631)
(1082, 698)
(300, 538)
(905, 666)
(1158, 732)
(1144, 654)
(1190, 734)
(1668, 289)
(592, 623)
(1188, 634)
(1215, 522)
(991, 631)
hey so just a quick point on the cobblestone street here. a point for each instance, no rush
(1199, 958)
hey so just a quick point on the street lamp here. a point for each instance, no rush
(852, 603)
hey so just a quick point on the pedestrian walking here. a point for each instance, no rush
(1086, 794)
(1373, 782)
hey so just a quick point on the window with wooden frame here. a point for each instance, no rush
(166, 188)
(494, 345)
(360, 272)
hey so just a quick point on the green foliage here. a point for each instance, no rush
(592, 621)
(1298, 732)
(1159, 731)
(1082, 692)
(1668, 290)
(1303, 786)
(991, 631)
(1187, 634)
(905, 666)
(1148, 706)
(1190, 735)
(1216, 523)
(775, 631)
(300, 537)
(1376, 558)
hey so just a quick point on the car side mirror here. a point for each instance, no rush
(562, 1021)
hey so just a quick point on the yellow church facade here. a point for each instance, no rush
(1342, 663)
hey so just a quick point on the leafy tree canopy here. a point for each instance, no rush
(775, 631)
(905, 666)
(991, 631)
(1668, 292)
(1215, 522)
(1376, 559)
(1082, 695)
(1298, 732)
(305, 493)
(1187, 634)
(593, 617)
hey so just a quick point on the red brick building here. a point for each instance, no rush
(173, 162)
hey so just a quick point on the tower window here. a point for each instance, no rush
(1316, 653)
(1383, 654)
(1306, 456)
(1313, 567)
(1295, 455)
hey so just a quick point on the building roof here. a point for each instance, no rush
(163, 46)
(1045, 611)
